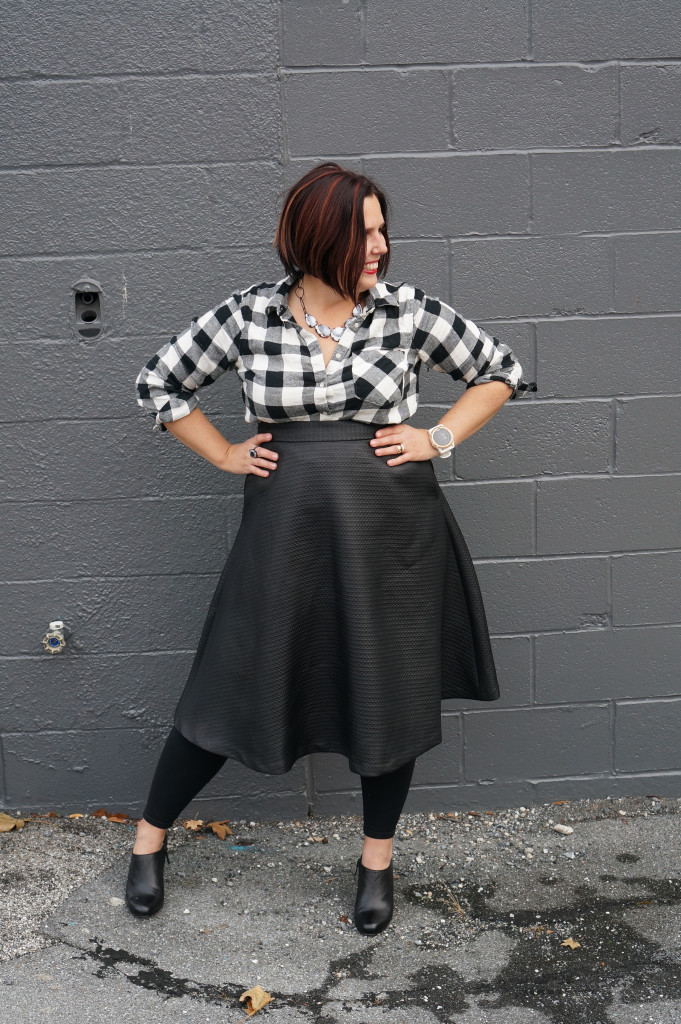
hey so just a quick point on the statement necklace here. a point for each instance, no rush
(322, 330)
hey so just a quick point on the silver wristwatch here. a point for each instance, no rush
(442, 439)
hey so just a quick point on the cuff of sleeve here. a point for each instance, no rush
(522, 386)
(517, 386)
(174, 412)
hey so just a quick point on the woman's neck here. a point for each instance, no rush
(322, 301)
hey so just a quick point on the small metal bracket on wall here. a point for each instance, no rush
(87, 308)
(54, 640)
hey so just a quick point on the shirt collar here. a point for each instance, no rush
(379, 295)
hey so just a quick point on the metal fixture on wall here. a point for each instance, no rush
(87, 308)
(54, 640)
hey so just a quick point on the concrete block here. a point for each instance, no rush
(497, 519)
(648, 736)
(532, 107)
(647, 272)
(526, 277)
(614, 356)
(445, 34)
(427, 193)
(309, 38)
(650, 98)
(58, 41)
(646, 588)
(525, 595)
(532, 439)
(174, 119)
(582, 30)
(606, 664)
(48, 211)
(608, 514)
(536, 743)
(325, 105)
(648, 432)
(58, 692)
(627, 191)
(121, 537)
(246, 200)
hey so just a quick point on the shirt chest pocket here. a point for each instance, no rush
(380, 371)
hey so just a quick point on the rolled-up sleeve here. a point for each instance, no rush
(449, 343)
(166, 385)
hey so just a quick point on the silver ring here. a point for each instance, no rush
(253, 452)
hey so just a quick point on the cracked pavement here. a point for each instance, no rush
(484, 904)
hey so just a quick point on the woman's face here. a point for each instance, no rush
(374, 223)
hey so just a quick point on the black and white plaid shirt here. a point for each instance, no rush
(372, 375)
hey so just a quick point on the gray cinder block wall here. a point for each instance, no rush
(533, 155)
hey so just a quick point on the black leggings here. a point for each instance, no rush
(183, 770)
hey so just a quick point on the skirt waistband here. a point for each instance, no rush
(318, 430)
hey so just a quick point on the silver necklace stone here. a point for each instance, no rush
(322, 330)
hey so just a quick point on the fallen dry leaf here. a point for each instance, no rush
(220, 828)
(256, 998)
(8, 823)
(193, 823)
(109, 815)
(560, 802)
(571, 943)
(76, 815)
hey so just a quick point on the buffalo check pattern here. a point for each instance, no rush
(372, 375)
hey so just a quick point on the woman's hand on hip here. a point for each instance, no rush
(237, 459)
(417, 446)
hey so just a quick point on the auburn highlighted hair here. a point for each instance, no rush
(321, 228)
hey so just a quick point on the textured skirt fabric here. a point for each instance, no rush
(347, 610)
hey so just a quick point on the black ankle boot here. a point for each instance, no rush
(144, 888)
(374, 901)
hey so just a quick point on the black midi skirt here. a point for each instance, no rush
(347, 610)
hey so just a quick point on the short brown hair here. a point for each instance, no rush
(321, 227)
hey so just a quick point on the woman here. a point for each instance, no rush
(348, 607)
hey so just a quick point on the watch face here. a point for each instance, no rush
(442, 436)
